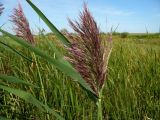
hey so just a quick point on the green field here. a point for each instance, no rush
(82, 75)
(132, 90)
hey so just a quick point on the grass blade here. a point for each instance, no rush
(15, 51)
(55, 50)
(14, 80)
(24, 95)
(59, 35)
(61, 64)
(30, 99)
(4, 118)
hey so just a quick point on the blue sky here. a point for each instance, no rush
(131, 15)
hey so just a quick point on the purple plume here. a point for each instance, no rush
(1, 8)
(21, 25)
(89, 54)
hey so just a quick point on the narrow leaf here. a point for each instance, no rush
(30, 99)
(59, 35)
(61, 64)
(14, 80)
(55, 50)
(4, 118)
(24, 95)
(15, 51)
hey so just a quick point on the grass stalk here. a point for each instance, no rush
(41, 84)
(99, 107)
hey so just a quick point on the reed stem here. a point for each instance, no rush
(99, 108)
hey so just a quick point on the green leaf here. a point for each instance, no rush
(55, 50)
(31, 99)
(15, 51)
(59, 35)
(24, 95)
(4, 118)
(61, 64)
(14, 80)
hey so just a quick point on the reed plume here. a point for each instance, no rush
(21, 25)
(89, 54)
(1, 8)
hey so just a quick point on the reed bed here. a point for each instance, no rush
(39, 81)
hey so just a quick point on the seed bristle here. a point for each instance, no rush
(88, 54)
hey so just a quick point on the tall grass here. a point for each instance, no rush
(21, 25)
(95, 58)
(131, 92)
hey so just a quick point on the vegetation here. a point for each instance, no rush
(131, 91)
(44, 78)
(124, 34)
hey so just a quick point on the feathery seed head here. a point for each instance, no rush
(1, 8)
(89, 54)
(21, 25)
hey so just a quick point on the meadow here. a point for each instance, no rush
(85, 75)
(131, 91)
